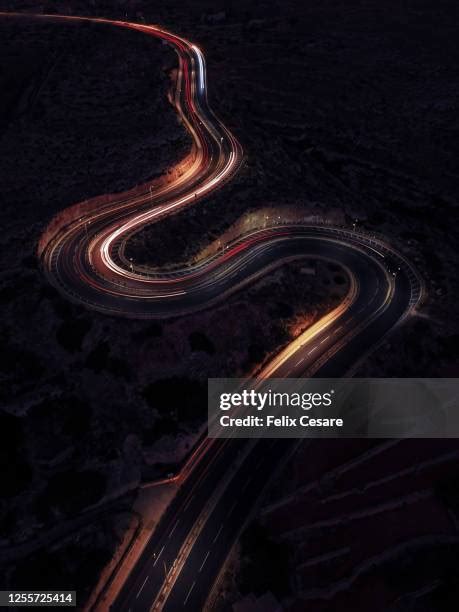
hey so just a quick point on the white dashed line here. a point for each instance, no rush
(218, 533)
(156, 560)
(188, 502)
(189, 593)
(324, 340)
(312, 350)
(140, 590)
(246, 483)
(173, 528)
(205, 559)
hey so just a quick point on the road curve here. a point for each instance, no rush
(82, 254)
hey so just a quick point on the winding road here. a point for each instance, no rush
(83, 257)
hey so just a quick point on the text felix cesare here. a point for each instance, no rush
(250, 400)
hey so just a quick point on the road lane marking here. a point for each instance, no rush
(300, 361)
(246, 484)
(218, 533)
(337, 329)
(205, 559)
(324, 340)
(173, 528)
(140, 590)
(189, 592)
(188, 502)
(232, 508)
(156, 560)
(312, 350)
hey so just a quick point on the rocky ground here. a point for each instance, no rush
(370, 525)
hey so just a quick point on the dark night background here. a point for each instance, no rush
(345, 109)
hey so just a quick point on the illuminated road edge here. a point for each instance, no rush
(82, 254)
